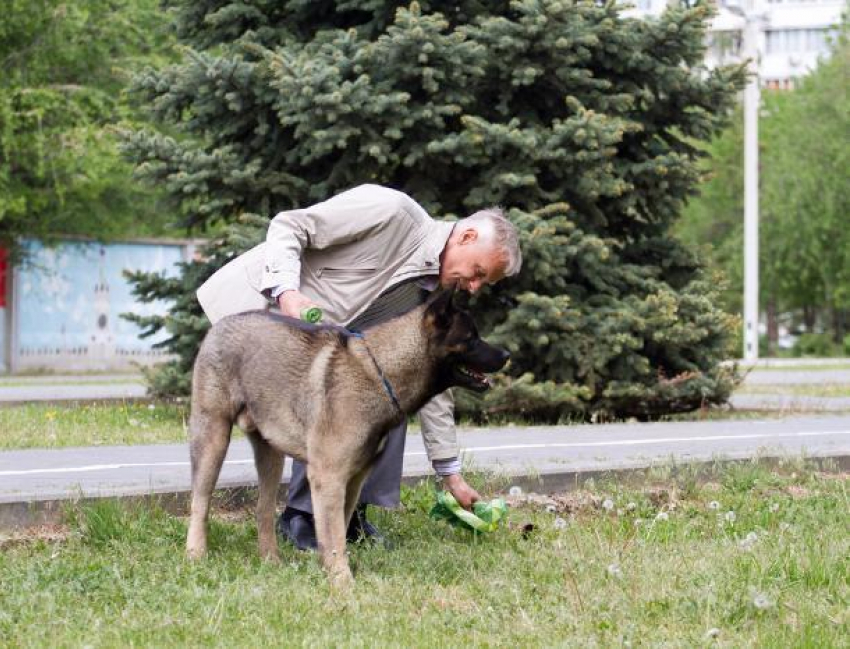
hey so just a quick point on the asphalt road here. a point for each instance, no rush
(36, 475)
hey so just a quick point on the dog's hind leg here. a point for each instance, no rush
(210, 437)
(269, 470)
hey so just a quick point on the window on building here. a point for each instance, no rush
(780, 41)
(721, 45)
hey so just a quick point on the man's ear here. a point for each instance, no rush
(470, 235)
(440, 306)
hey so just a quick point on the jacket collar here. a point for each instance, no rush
(435, 243)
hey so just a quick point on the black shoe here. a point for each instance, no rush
(298, 528)
(360, 529)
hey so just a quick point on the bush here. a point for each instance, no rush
(817, 345)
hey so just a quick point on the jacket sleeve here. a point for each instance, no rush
(437, 418)
(349, 216)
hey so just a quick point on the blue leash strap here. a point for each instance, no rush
(388, 388)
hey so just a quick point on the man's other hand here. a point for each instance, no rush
(463, 493)
(291, 303)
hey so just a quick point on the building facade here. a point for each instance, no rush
(792, 34)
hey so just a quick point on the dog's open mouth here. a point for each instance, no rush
(473, 379)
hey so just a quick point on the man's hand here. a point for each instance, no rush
(463, 493)
(291, 303)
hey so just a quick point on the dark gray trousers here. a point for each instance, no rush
(383, 485)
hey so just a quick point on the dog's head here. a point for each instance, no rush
(463, 358)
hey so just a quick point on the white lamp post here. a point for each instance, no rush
(751, 189)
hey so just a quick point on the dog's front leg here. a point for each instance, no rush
(328, 493)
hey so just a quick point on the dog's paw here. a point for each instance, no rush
(270, 556)
(195, 553)
(341, 579)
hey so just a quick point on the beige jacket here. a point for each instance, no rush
(342, 253)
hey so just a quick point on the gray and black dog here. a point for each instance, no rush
(324, 396)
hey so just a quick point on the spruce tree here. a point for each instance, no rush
(578, 120)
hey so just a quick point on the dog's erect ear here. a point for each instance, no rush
(440, 306)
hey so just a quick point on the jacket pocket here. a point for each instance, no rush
(345, 273)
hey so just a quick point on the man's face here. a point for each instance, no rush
(470, 261)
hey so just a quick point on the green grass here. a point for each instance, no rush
(814, 390)
(717, 414)
(37, 425)
(803, 366)
(118, 577)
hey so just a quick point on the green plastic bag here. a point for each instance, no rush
(484, 517)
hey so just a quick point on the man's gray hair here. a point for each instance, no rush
(505, 236)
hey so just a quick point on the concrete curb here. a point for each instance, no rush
(21, 515)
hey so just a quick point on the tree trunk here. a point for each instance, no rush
(809, 314)
(839, 324)
(772, 327)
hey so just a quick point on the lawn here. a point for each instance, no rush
(755, 557)
(40, 425)
(824, 390)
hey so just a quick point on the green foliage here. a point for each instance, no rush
(816, 345)
(578, 119)
(804, 242)
(64, 65)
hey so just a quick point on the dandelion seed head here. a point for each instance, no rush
(151, 406)
(631, 507)
(515, 491)
(638, 522)
(662, 516)
(614, 570)
(608, 504)
(559, 523)
(749, 541)
(761, 601)
(714, 505)
(730, 516)
(551, 508)
(712, 633)
(774, 507)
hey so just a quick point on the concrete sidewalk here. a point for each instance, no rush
(35, 484)
(75, 387)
